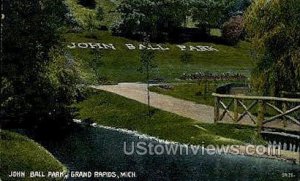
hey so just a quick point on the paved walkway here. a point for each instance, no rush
(188, 109)
(138, 92)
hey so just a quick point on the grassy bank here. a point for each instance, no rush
(122, 65)
(19, 153)
(200, 93)
(112, 110)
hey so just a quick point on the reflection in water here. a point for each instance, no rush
(96, 149)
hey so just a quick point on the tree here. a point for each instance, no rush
(214, 13)
(146, 58)
(211, 13)
(273, 28)
(96, 63)
(31, 32)
(151, 16)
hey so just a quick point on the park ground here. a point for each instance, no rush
(121, 65)
(109, 109)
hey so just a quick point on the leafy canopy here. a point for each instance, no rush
(273, 27)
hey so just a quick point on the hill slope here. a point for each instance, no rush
(121, 65)
(19, 153)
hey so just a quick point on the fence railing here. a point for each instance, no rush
(286, 109)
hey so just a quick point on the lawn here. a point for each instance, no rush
(18, 153)
(197, 92)
(122, 65)
(202, 93)
(113, 110)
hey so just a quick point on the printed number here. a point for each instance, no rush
(288, 175)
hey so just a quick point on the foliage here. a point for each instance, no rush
(90, 23)
(156, 17)
(100, 13)
(233, 29)
(63, 74)
(82, 14)
(146, 58)
(31, 98)
(238, 7)
(83, 18)
(151, 16)
(273, 28)
(210, 13)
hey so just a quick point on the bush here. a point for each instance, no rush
(233, 29)
(100, 14)
(90, 23)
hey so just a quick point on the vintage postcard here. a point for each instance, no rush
(150, 90)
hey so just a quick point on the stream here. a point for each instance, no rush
(88, 148)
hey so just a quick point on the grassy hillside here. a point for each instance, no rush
(113, 110)
(122, 65)
(19, 153)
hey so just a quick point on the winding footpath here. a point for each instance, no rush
(138, 92)
(198, 112)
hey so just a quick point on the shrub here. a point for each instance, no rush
(233, 29)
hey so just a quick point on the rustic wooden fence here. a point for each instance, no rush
(286, 109)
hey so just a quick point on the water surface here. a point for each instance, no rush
(96, 149)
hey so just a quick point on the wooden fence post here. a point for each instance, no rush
(235, 110)
(284, 107)
(261, 115)
(217, 109)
